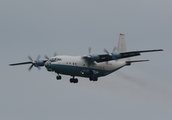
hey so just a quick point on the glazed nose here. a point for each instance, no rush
(47, 64)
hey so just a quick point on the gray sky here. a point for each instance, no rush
(141, 91)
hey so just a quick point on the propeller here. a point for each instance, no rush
(110, 54)
(34, 62)
(114, 49)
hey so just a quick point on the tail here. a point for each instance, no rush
(122, 45)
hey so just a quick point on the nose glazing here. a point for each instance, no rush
(47, 64)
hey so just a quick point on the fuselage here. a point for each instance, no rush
(77, 66)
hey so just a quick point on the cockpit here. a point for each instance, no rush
(54, 59)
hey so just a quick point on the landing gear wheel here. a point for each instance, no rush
(73, 80)
(76, 80)
(59, 77)
(93, 78)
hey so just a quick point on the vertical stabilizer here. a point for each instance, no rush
(122, 45)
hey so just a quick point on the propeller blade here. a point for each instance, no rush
(106, 51)
(114, 49)
(30, 58)
(38, 57)
(46, 57)
(89, 50)
(30, 67)
(36, 65)
(55, 54)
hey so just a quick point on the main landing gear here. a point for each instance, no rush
(93, 78)
(73, 80)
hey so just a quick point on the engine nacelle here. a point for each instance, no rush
(40, 62)
(116, 56)
(95, 58)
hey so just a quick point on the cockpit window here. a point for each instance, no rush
(55, 59)
(52, 59)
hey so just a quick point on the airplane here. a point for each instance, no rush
(90, 66)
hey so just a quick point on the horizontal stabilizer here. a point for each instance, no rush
(142, 51)
(129, 62)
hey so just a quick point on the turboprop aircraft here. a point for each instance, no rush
(91, 66)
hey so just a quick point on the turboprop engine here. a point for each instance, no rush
(116, 56)
(94, 57)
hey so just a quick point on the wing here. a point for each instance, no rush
(136, 53)
(97, 58)
(116, 56)
(133, 61)
(22, 63)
